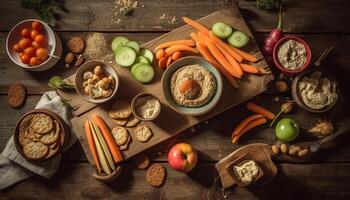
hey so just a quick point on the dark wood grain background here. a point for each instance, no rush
(321, 23)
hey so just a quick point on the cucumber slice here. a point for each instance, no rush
(118, 41)
(147, 53)
(144, 73)
(135, 66)
(142, 59)
(134, 45)
(238, 39)
(222, 30)
(125, 56)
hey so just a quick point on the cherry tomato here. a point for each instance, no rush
(24, 43)
(25, 33)
(35, 45)
(30, 51)
(36, 26)
(41, 53)
(33, 34)
(16, 48)
(34, 61)
(25, 58)
(40, 39)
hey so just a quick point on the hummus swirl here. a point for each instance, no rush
(317, 93)
(206, 85)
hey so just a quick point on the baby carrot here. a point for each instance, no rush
(226, 46)
(236, 66)
(174, 48)
(244, 123)
(260, 110)
(160, 53)
(177, 55)
(189, 43)
(250, 68)
(249, 126)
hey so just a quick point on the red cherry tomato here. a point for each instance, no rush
(34, 61)
(25, 58)
(16, 48)
(33, 34)
(40, 39)
(30, 51)
(35, 45)
(24, 43)
(41, 53)
(36, 26)
(25, 33)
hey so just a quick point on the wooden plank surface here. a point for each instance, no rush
(301, 16)
(73, 181)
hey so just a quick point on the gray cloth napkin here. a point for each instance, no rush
(15, 168)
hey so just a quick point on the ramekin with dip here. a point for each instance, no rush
(292, 55)
(146, 106)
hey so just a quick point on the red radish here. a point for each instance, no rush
(274, 36)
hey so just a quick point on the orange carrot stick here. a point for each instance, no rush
(189, 43)
(209, 57)
(117, 156)
(196, 25)
(168, 62)
(249, 126)
(92, 147)
(244, 123)
(236, 66)
(162, 62)
(250, 68)
(194, 37)
(160, 53)
(226, 46)
(177, 55)
(220, 58)
(172, 49)
(260, 110)
(245, 55)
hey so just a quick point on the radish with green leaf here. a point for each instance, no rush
(274, 36)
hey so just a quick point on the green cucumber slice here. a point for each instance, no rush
(222, 30)
(238, 39)
(118, 41)
(135, 66)
(125, 56)
(142, 59)
(144, 73)
(147, 53)
(134, 45)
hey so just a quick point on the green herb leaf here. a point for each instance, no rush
(57, 83)
(44, 8)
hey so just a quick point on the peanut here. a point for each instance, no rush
(284, 148)
(303, 152)
(275, 149)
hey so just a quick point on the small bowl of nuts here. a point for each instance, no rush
(96, 81)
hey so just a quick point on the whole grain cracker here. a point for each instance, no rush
(126, 145)
(155, 175)
(141, 161)
(16, 95)
(23, 138)
(133, 121)
(35, 150)
(143, 133)
(76, 44)
(120, 122)
(120, 109)
(42, 123)
(120, 135)
(53, 136)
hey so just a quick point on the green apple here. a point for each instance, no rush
(287, 130)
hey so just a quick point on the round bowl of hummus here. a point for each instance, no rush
(291, 55)
(315, 91)
(192, 86)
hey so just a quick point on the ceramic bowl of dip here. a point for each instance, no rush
(296, 93)
(278, 62)
(146, 106)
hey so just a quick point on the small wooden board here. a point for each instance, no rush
(170, 123)
(259, 152)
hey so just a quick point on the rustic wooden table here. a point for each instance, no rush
(321, 23)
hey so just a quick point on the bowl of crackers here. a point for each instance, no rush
(40, 135)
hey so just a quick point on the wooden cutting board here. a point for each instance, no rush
(169, 123)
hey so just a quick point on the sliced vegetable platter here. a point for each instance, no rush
(250, 86)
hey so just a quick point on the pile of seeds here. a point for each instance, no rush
(97, 48)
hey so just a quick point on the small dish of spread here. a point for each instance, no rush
(246, 172)
(146, 106)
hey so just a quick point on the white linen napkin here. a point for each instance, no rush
(15, 168)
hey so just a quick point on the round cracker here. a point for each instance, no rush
(53, 136)
(143, 133)
(26, 121)
(126, 145)
(42, 123)
(52, 150)
(35, 150)
(23, 138)
(133, 121)
(120, 109)
(120, 135)
(155, 175)
(16, 95)
(120, 122)
(141, 161)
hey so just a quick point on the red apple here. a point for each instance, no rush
(182, 157)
